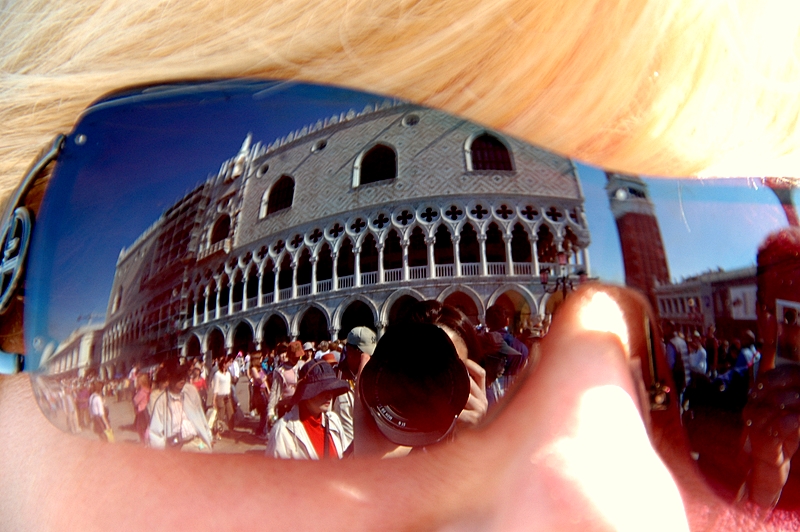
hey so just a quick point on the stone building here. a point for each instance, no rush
(346, 222)
(81, 350)
(724, 299)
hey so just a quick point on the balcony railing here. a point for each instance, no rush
(418, 272)
(470, 268)
(523, 268)
(445, 270)
(393, 275)
(303, 289)
(496, 268)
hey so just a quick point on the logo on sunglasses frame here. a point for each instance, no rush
(16, 237)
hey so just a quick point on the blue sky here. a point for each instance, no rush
(135, 164)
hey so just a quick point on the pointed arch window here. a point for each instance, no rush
(280, 196)
(221, 230)
(379, 163)
(487, 152)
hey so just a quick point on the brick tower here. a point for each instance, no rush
(640, 237)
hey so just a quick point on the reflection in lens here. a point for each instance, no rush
(344, 221)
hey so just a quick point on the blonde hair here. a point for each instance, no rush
(674, 87)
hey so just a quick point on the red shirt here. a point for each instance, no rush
(316, 433)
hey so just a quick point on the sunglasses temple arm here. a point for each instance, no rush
(47, 155)
(11, 363)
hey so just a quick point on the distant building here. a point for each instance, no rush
(343, 223)
(79, 352)
(725, 299)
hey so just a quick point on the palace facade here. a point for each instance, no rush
(344, 223)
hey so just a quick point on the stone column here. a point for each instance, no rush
(585, 255)
(230, 296)
(431, 259)
(260, 292)
(246, 281)
(509, 258)
(482, 245)
(357, 266)
(380, 262)
(333, 332)
(205, 305)
(313, 260)
(457, 255)
(404, 244)
(276, 270)
(293, 265)
(380, 327)
(535, 256)
(334, 273)
(216, 301)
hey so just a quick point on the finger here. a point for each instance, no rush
(476, 373)
(574, 426)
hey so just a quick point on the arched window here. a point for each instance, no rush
(378, 164)
(221, 229)
(487, 153)
(281, 196)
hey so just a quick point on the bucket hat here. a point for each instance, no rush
(317, 377)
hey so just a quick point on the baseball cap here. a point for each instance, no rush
(363, 338)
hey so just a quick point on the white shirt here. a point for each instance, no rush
(221, 384)
(96, 407)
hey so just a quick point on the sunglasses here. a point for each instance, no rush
(188, 222)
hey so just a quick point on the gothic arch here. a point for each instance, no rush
(342, 307)
(392, 299)
(470, 292)
(521, 290)
(232, 329)
(298, 316)
(259, 329)
(207, 337)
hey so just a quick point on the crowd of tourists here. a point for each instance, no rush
(443, 375)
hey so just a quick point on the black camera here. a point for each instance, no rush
(415, 386)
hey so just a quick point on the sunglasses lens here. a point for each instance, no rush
(186, 223)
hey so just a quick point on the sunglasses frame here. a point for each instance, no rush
(16, 236)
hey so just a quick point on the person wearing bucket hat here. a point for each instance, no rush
(311, 430)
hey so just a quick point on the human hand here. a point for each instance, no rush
(477, 403)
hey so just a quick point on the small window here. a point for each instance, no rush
(281, 196)
(221, 230)
(262, 170)
(488, 153)
(378, 164)
(319, 145)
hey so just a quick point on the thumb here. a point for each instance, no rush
(576, 446)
